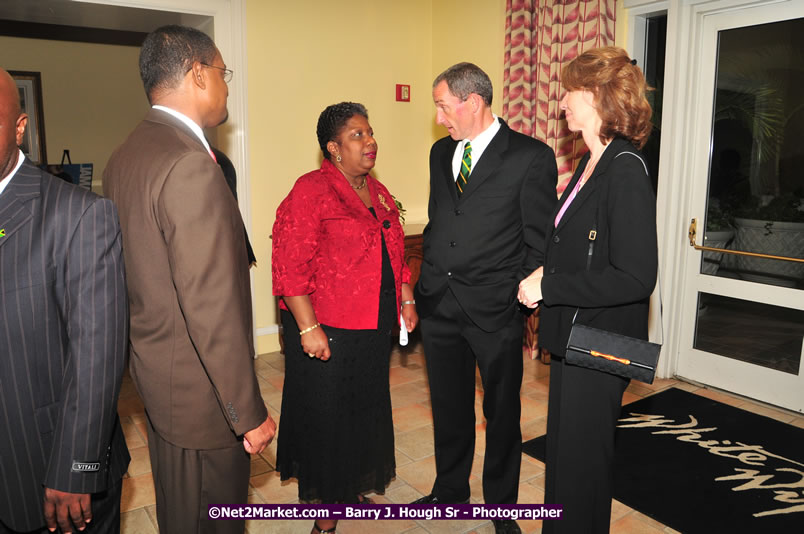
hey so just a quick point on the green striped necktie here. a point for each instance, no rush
(466, 168)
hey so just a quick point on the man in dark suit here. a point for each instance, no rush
(62, 345)
(491, 193)
(191, 329)
(230, 175)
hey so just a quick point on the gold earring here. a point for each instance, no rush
(338, 158)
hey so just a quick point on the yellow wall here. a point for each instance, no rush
(471, 31)
(303, 56)
(92, 95)
(621, 26)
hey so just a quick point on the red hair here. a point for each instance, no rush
(619, 88)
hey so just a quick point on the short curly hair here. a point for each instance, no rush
(333, 119)
(619, 88)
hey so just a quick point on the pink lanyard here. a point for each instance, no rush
(569, 200)
(587, 172)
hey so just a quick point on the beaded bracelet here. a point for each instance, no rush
(302, 332)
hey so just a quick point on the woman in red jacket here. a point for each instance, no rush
(339, 266)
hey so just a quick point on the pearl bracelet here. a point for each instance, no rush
(302, 332)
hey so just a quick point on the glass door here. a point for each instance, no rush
(743, 316)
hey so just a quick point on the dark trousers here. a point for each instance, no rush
(453, 345)
(187, 481)
(582, 414)
(105, 514)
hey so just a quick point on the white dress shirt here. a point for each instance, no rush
(479, 145)
(4, 182)
(189, 122)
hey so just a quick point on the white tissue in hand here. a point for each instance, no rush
(403, 331)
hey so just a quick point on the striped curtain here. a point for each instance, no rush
(541, 36)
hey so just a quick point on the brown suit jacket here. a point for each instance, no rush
(188, 283)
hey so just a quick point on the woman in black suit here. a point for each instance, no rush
(610, 191)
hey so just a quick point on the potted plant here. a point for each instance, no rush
(775, 227)
(719, 233)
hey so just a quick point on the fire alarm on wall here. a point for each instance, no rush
(402, 93)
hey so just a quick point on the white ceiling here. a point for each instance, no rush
(91, 15)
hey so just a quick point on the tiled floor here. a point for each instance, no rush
(414, 453)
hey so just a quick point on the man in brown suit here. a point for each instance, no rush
(189, 289)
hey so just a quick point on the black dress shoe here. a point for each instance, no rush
(427, 499)
(432, 499)
(506, 526)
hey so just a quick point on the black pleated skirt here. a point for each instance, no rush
(336, 435)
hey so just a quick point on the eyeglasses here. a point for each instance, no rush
(227, 73)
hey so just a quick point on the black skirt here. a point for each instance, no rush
(336, 435)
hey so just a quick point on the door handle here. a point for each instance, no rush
(693, 233)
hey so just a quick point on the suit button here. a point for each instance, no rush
(552, 270)
(458, 212)
(452, 244)
(449, 274)
(556, 239)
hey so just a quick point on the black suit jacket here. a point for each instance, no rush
(614, 294)
(483, 244)
(63, 336)
(230, 174)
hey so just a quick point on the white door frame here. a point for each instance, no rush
(682, 108)
(769, 385)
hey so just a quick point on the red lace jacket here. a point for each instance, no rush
(327, 244)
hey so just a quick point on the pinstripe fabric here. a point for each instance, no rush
(63, 332)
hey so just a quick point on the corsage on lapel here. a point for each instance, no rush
(382, 201)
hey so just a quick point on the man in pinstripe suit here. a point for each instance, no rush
(63, 330)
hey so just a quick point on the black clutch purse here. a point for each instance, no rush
(608, 352)
(612, 353)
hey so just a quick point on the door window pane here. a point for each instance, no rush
(756, 170)
(761, 334)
